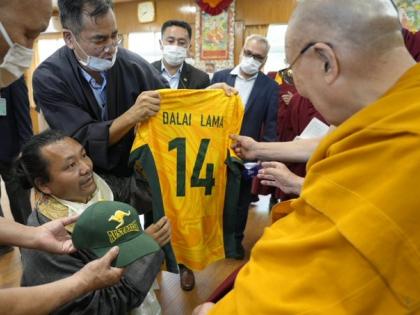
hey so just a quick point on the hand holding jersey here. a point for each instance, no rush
(160, 231)
(187, 166)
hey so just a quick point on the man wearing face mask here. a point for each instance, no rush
(259, 94)
(175, 43)
(17, 59)
(96, 92)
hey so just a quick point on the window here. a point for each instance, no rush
(276, 57)
(146, 44)
(46, 47)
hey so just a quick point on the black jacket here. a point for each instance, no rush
(68, 103)
(16, 125)
(260, 117)
(191, 77)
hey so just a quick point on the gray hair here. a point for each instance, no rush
(72, 11)
(260, 39)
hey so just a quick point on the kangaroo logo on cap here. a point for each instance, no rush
(118, 217)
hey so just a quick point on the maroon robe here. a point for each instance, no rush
(292, 120)
(412, 42)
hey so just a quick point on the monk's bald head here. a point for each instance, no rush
(359, 25)
(345, 53)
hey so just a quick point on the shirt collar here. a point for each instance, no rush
(91, 80)
(163, 69)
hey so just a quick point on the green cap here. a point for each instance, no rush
(109, 223)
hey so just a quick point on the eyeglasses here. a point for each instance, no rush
(287, 73)
(248, 53)
(100, 44)
(100, 41)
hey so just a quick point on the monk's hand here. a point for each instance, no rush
(160, 231)
(277, 174)
(53, 237)
(147, 105)
(287, 97)
(229, 90)
(99, 273)
(203, 309)
(245, 147)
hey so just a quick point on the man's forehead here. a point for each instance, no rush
(99, 24)
(254, 44)
(175, 31)
(62, 149)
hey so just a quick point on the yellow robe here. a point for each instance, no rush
(351, 245)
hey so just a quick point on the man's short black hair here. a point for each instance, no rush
(71, 12)
(178, 23)
(31, 165)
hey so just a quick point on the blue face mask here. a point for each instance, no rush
(96, 63)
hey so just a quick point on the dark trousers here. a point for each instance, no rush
(245, 198)
(19, 198)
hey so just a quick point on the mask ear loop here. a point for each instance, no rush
(80, 47)
(5, 35)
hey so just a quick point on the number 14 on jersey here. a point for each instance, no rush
(180, 145)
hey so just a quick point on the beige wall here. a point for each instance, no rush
(248, 12)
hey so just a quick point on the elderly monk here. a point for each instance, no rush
(352, 243)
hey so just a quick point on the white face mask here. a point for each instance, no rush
(249, 65)
(96, 63)
(174, 55)
(16, 61)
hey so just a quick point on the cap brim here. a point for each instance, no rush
(131, 250)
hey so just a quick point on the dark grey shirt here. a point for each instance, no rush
(41, 267)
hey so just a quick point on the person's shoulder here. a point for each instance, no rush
(137, 68)
(223, 72)
(192, 68)
(54, 62)
(221, 75)
(126, 56)
(268, 81)
(197, 72)
(157, 64)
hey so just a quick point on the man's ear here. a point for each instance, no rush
(329, 62)
(161, 44)
(68, 38)
(189, 50)
(42, 186)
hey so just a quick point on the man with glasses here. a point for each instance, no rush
(259, 94)
(96, 92)
(351, 243)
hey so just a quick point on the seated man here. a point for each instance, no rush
(61, 172)
(351, 243)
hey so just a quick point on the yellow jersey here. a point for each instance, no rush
(184, 152)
